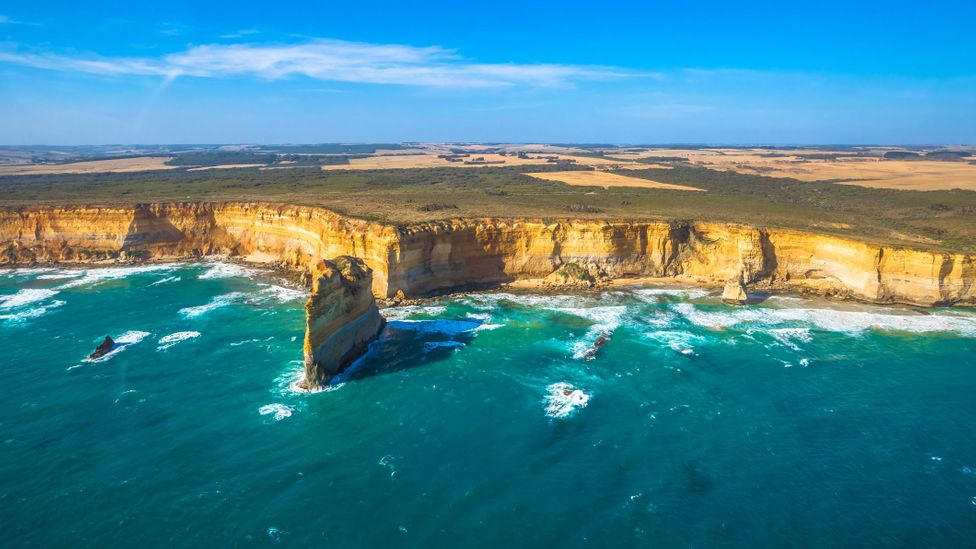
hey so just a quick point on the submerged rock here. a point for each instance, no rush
(735, 292)
(103, 348)
(602, 340)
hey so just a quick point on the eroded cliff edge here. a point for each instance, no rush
(429, 257)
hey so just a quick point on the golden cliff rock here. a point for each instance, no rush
(428, 257)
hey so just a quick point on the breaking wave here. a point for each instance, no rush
(226, 270)
(90, 277)
(679, 342)
(404, 312)
(35, 312)
(25, 297)
(833, 320)
(277, 411)
(168, 341)
(283, 294)
(563, 400)
(215, 303)
(166, 280)
(16, 303)
(653, 295)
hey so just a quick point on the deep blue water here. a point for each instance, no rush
(478, 420)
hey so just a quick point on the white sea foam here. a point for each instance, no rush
(166, 280)
(60, 275)
(679, 342)
(25, 297)
(485, 319)
(254, 340)
(835, 320)
(27, 304)
(789, 337)
(34, 312)
(605, 320)
(534, 301)
(562, 400)
(277, 411)
(283, 294)
(26, 271)
(102, 274)
(653, 295)
(215, 303)
(226, 270)
(407, 311)
(389, 462)
(659, 319)
(168, 341)
(122, 342)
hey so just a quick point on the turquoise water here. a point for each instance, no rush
(478, 420)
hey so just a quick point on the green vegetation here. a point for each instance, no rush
(221, 158)
(335, 148)
(934, 219)
(225, 158)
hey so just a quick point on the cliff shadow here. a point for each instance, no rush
(147, 228)
(407, 344)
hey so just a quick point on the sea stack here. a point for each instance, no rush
(735, 292)
(341, 318)
(103, 348)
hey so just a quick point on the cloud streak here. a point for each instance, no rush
(327, 60)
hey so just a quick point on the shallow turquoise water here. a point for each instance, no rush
(789, 423)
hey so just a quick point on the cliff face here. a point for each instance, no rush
(429, 257)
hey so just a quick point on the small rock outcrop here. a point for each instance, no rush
(341, 317)
(574, 275)
(104, 348)
(735, 292)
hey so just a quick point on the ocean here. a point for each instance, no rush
(651, 416)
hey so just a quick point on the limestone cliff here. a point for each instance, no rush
(430, 257)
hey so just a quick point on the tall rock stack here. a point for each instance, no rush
(341, 318)
(735, 291)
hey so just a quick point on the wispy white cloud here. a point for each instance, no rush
(6, 20)
(240, 34)
(327, 60)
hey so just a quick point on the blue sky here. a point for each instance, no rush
(618, 72)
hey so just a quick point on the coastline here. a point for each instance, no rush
(434, 258)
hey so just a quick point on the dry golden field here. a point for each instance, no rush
(137, 164)
(866, 171)
(606, 180)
